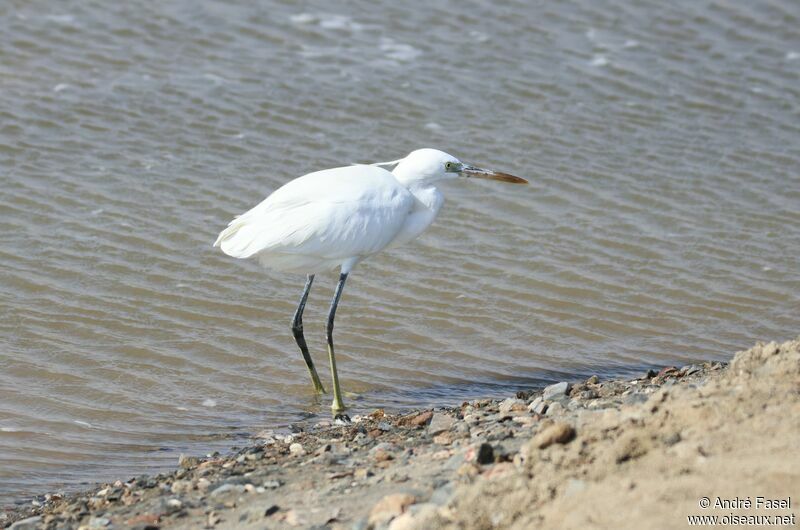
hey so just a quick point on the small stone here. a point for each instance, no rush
(99, 522)
(390, 507)
(540, 408)
(272, 509)
(461, 430)
(555, 409)
(472, 419)
(445, 438)
(589, 394)
(524, 421)
(440, 422)
(381, 455)
(666, 372)
(384, 446)
(593, 380)
(297, 449)
(272, 484)
(485, 454)
(227, 488)
(377, 414)
(203, 484)
(362, 473)
(213, 518)
(384, 426)
(555, 391)
(560, 433)
(31, 523)
(181, 486)
(421, 419)
(507, 405)
(691, 369)
(174, 504)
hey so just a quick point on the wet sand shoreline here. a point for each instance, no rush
(590, 453)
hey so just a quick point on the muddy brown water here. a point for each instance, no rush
(661, 225)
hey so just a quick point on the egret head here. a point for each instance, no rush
(427, 166)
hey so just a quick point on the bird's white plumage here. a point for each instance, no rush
(322, 220)
(337, 217)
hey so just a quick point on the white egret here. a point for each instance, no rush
(338, 217)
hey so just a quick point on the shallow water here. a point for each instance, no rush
(661, 224)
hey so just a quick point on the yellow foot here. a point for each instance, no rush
(337, 406)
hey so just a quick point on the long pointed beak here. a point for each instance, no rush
(472, 171)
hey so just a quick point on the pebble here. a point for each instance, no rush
(203, 484)
(440, 422)
(174, 504)
(540, 408)
(389, 507)
(31, 523)
(181, 486)
(471, 419)
(382, 455)
(362, 473)
(485, 454)
(227, 488)
(383, 446)
(589, 394)
(554, 409)
(99, 522)
(555, 391)
(593, 380)
(461, 429)
(560, 433)
(509, 404)
(445, 438)
(297, 449)
(691, 369)
(421, 419)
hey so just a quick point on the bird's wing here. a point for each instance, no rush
(331, 214)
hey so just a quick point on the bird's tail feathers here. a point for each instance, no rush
(229, 243)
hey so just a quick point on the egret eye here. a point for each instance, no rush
(449, 166)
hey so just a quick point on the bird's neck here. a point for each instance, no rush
(428, 197)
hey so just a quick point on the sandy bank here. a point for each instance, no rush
(640, 453)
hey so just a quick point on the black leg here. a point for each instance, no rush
(297, 331)
(338, 404)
